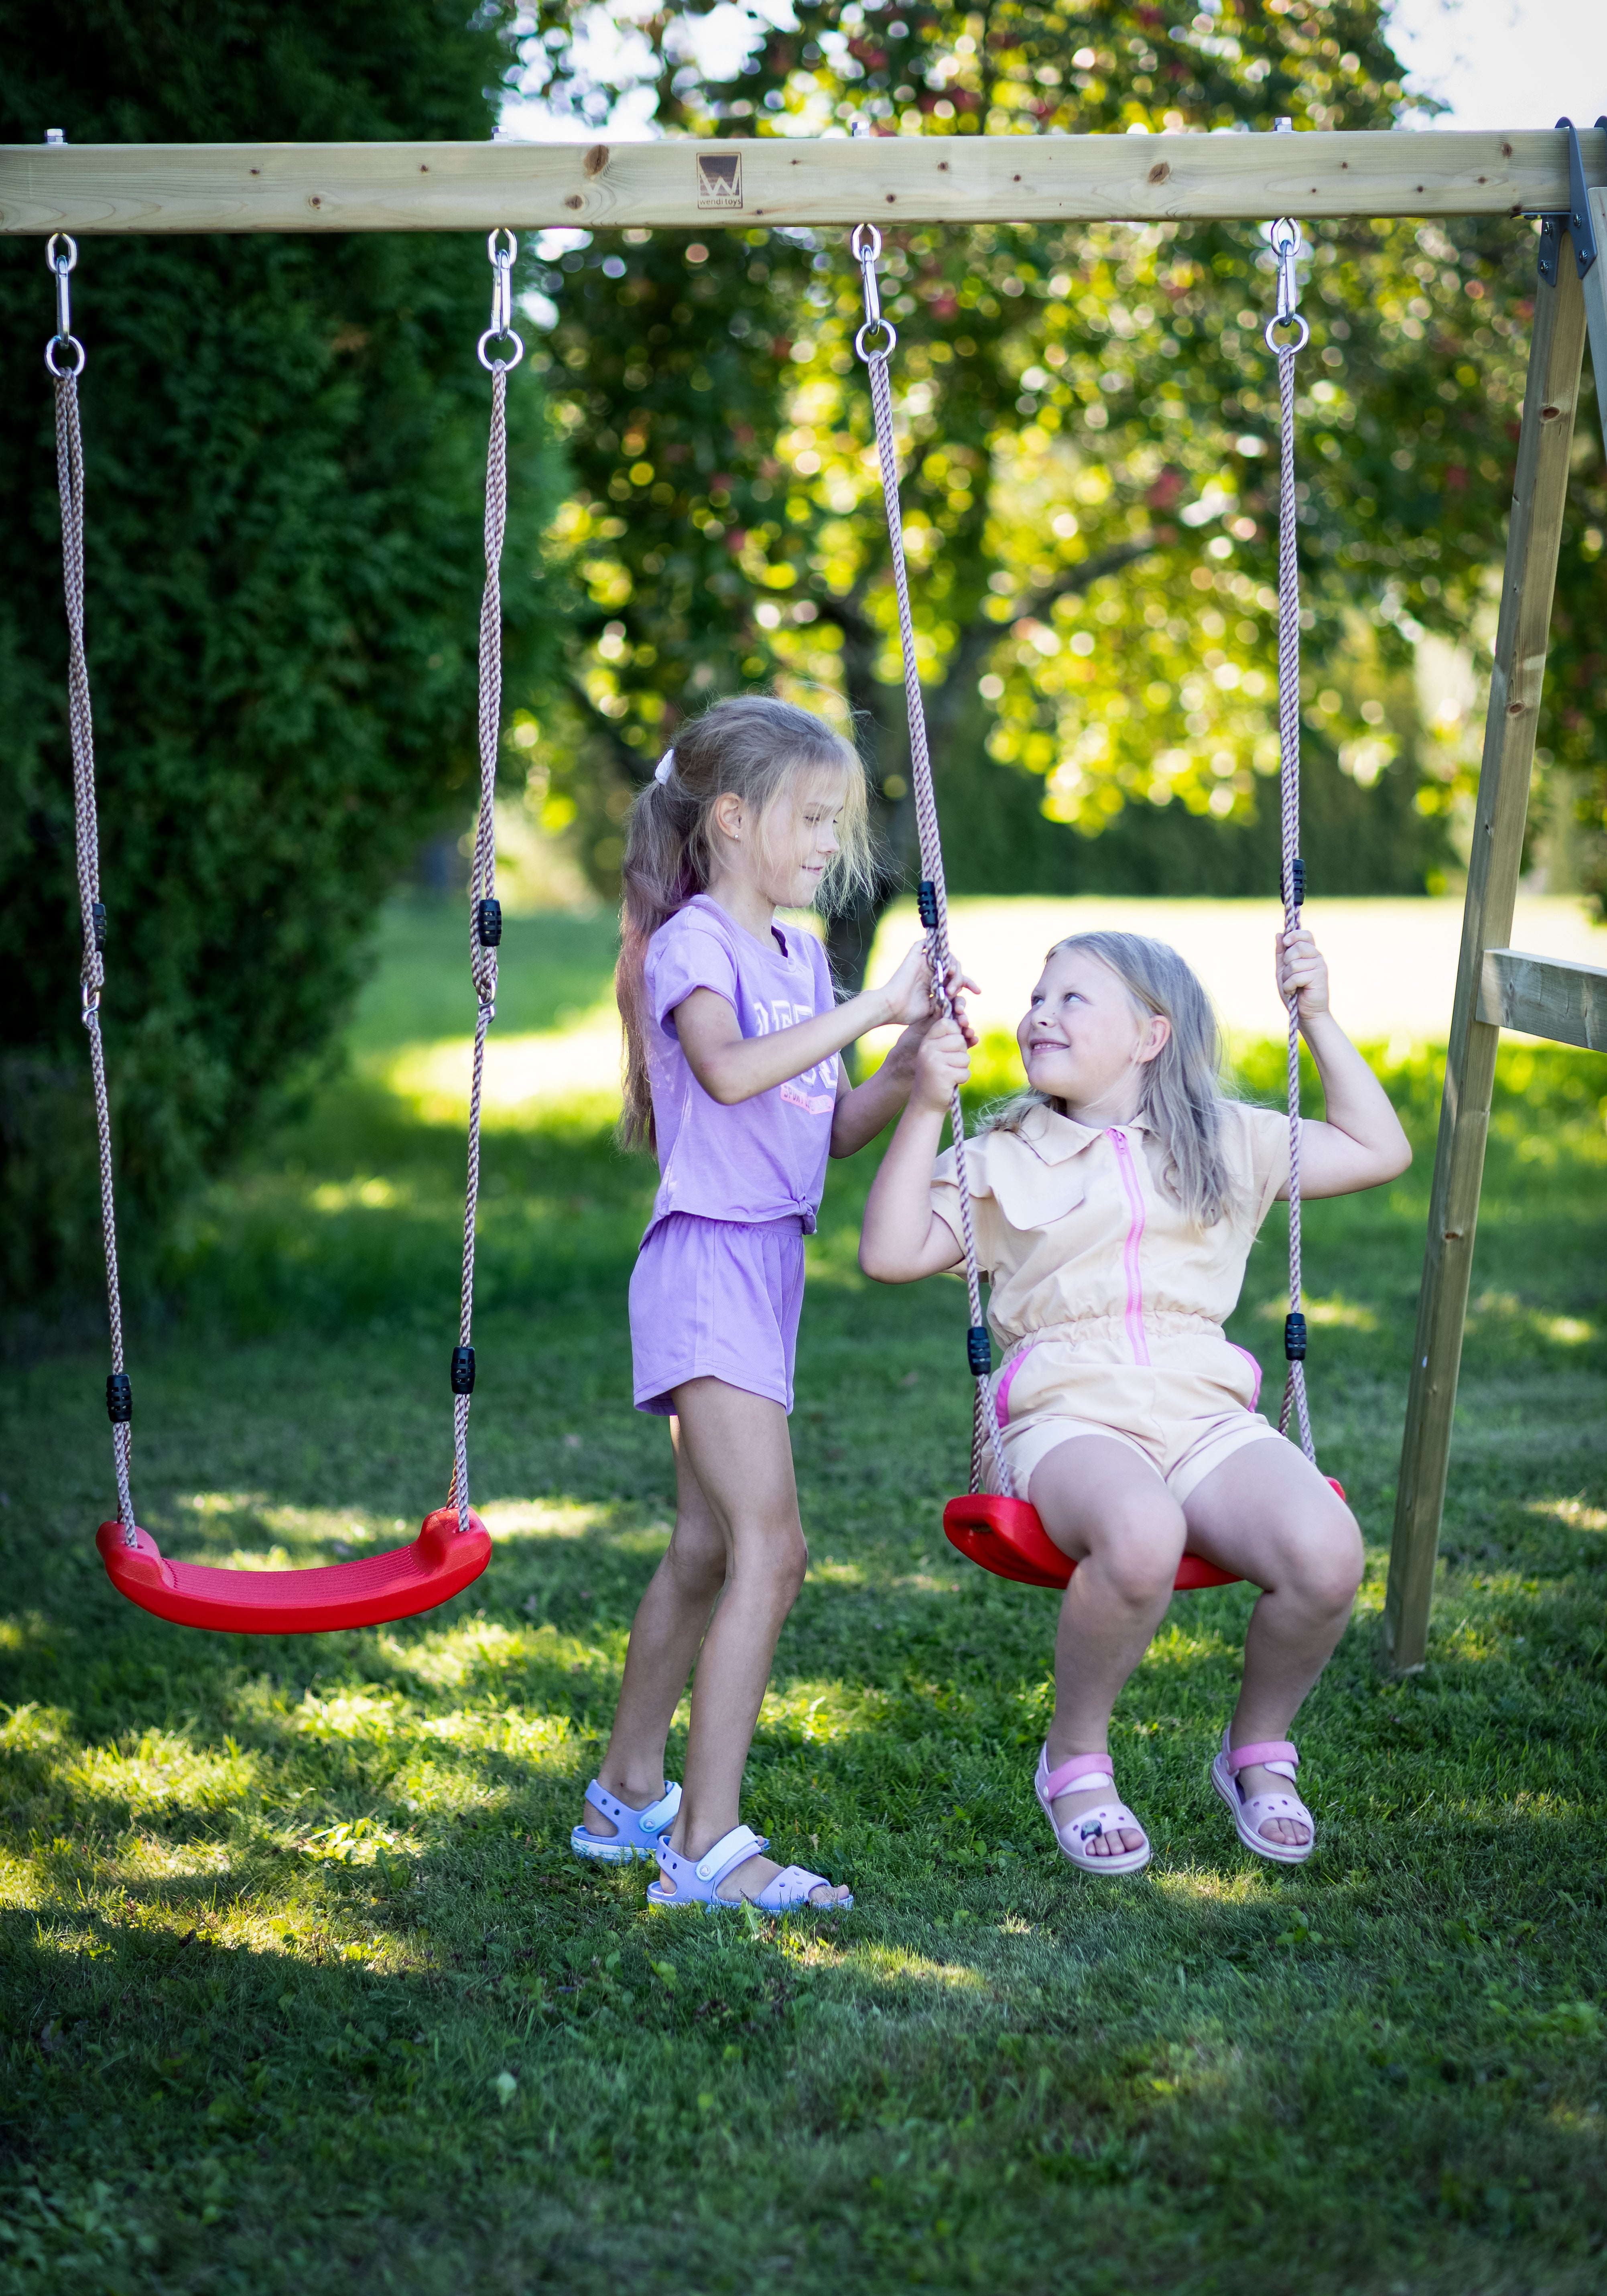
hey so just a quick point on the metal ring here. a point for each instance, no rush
(859, 253)
(508, 366)
(493, 251)
(1281, 351)
(888, 329)
(65, 374)
(52, 261)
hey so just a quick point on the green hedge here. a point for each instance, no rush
(284, 441)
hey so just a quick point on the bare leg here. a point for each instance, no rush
(1268, 1514)
(669, 1624)
(1110, 1510)
(733, 1450)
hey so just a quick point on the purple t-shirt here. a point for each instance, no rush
(764, 1159)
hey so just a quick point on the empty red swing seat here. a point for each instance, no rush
(366, 1592)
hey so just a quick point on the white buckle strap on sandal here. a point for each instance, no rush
(638, 1829)
(696, 1882)
(1252, 1812)
(1086, 1773)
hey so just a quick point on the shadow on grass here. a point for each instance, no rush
(406, 2025)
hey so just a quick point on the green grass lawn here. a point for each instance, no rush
(303, 1991)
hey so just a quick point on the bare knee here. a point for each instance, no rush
(1138, 1550)
(1327, 1569)
(791, 1564)
(698, 1563)
(774, 1557)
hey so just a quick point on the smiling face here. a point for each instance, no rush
(1084, 1040)
(798, 837)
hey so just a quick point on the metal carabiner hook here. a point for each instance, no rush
(865, 246)
(501, 329)
(1284, 238)
(63, 266)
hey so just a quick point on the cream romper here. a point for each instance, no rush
(1107, 1298)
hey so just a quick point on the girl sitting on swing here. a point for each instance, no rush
(1115, 1204)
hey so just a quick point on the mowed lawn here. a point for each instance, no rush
(303, 1991)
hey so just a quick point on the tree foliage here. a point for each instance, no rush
(1088, 429)
(285, 442)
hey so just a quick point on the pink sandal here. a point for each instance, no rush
(1252, 1812)
(1082, 1773)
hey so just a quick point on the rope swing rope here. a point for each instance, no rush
(454, 1547)
(1003, 1532)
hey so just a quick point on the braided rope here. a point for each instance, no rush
(986, 1427)
(1289, 773)
(69, 485)
(482, 887)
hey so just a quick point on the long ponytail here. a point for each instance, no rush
(752, 747)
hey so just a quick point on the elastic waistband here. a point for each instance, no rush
(1089, 1327)
(787, 1224)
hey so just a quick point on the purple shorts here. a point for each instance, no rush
(716, 1299)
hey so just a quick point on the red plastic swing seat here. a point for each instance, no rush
(1005, 1536)
(440, 1563)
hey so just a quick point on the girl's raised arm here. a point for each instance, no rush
(902, 1239)
(1361, 1143)
(732, 1068)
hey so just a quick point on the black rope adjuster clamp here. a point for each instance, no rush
(119, 1398)
(926, 902)
(463, 1370)
(488, 923)
(1294, 1338)
(978, 1351)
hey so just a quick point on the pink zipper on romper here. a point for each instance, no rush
(1129, 1181)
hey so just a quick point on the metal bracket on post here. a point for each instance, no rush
(1574, 219)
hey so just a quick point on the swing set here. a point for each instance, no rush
(1559, 177)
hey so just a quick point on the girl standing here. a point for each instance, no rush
(1115, 1205)
(732, 1036)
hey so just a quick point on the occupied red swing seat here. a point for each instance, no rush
(1005, 1536)
(365, 1593)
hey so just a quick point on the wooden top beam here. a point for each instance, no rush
(681, 184)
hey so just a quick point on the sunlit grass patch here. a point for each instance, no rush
(163, 1770)
(544, 1518)
(372, 1195)
(1574, 1513)
(1333, 1314)
(306, 1907)
(576, 1068)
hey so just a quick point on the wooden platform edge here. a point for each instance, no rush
(1545, 997)
(680, 182)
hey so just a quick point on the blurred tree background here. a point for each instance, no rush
(1089, 426)
(285, 446)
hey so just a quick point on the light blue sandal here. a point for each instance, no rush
(696, 1885)
(638, 1829)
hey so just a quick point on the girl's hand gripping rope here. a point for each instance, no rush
(1359, 1142)
(942, 1067)
(1303, 971)
(908, 997)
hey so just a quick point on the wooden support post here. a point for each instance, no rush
(1595, 306)
(1539, 493)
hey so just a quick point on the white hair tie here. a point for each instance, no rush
(665, 767)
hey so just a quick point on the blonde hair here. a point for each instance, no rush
(1181, 1093)
(752, 747)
